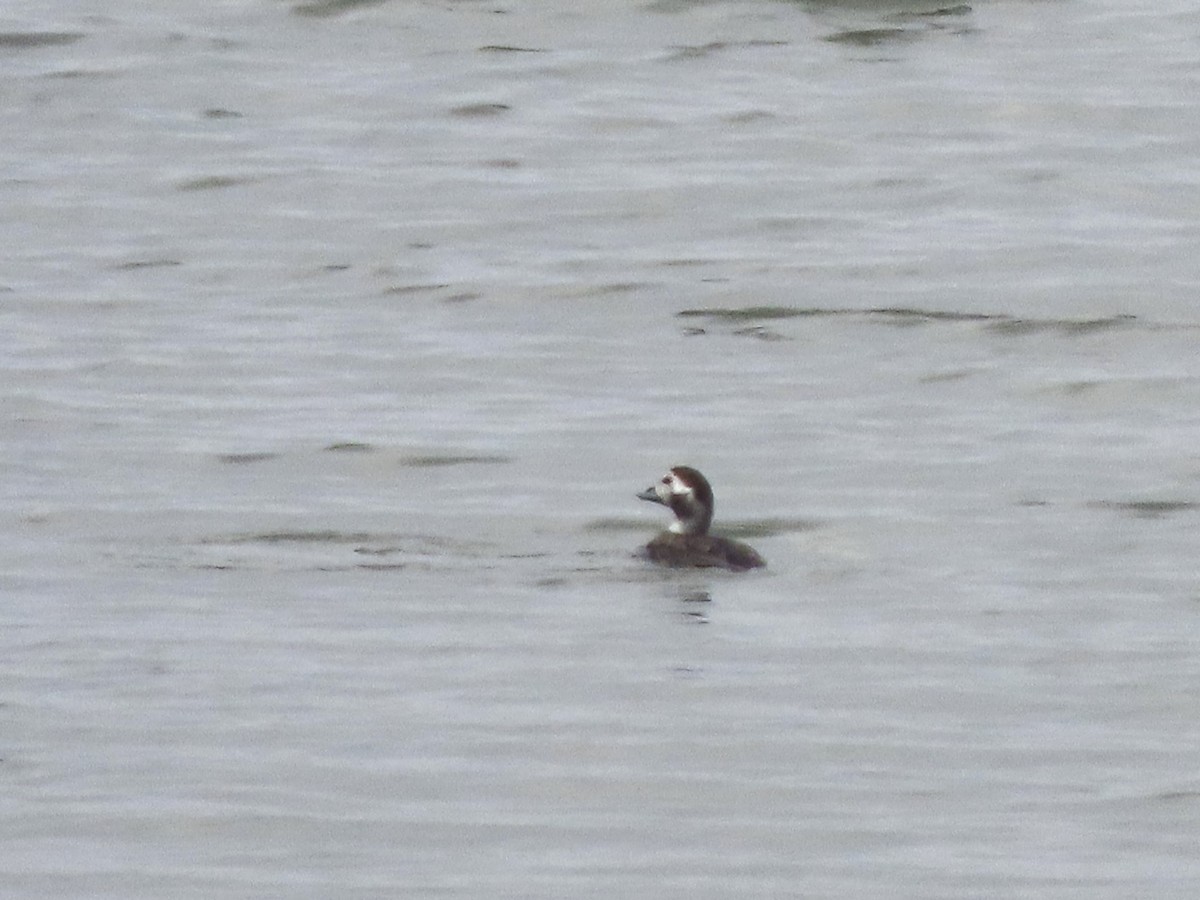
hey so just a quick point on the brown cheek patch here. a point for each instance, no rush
(680, 506)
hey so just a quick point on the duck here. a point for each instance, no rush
(687, 543)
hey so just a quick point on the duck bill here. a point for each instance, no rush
(650, 494)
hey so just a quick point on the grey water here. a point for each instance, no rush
(337, 338)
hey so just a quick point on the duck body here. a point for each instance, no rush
(708, 551)
(687, 543)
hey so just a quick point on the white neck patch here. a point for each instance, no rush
(680, 496)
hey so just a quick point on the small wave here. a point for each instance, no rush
(25, 40)
(242, 459)
(430, 460)
(999, 323)
(323, 9)
(1147, 509)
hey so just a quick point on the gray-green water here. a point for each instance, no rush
(337, 339)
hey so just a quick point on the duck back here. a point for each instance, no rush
(702, 551)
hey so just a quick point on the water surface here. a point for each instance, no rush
(339, 337)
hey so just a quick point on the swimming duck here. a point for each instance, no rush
(687, 542)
